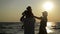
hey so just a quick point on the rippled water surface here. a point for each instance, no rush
(15, 28)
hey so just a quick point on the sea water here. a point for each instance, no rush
(15, 28)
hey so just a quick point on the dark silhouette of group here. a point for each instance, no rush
(28, 20)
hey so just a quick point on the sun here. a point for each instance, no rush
(48, 5)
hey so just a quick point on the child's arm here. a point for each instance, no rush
(22, 18)
(37, 17)
(23, 14)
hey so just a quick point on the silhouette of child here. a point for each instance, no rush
(22, 20)
(43, 23)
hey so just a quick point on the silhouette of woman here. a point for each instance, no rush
(29, 21)
(43, 23)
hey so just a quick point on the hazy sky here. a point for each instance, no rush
(11, 10)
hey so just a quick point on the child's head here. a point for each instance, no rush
(45, 14)
(28, 8)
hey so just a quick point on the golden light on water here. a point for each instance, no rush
(48, 5)
(49, 30)
(49, 24)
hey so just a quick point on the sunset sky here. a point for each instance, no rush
(11, 10)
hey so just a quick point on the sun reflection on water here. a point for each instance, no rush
(49, 30)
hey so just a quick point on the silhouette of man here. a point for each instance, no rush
(28, 21)
(43, 23)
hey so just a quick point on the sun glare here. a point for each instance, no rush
(48, 5)
(49, 24)
(48, 30)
